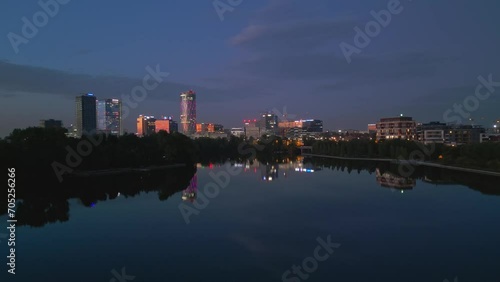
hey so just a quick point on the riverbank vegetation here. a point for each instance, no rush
(39, 151)
(480, 156)
(42, 151)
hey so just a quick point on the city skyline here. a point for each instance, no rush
(108, 119)
(256, 140)
(263, 55)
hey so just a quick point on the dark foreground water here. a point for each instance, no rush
(286, 222)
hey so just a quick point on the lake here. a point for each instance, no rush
(305, 220)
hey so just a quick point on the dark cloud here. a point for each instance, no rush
(308, 49)
(20, 78)
(302, 55)
(7, 95)
(365, 69)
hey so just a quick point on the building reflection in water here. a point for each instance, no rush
(391, 180)
(269, 172)
(189, 194)
(272, 171)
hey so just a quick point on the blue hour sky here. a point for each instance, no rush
(263, 55)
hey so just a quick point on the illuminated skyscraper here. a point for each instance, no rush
(146, 125)
(188, 112)
(269, 121)
(166, 124)
(86, 114)
(109, 116)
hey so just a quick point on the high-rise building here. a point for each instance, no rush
(252, 129)
(166, 124)
(290, 124)
(188, 112)
(109, 116)
(299, 128)
(209, 127)
(86, 114)
(145, 125)
(397, 128)
(50, 123)
(312, 125)
(269, 121)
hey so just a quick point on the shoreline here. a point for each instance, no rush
(396, 161)
(117, 171)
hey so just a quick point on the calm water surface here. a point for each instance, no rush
(268, 219)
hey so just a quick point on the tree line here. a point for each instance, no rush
(479, 155)
(37, 150)
(40, 151)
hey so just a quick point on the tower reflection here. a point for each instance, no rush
(189, 194)
(269, 172)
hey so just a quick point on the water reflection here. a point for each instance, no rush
(273, 171)
(392, 180)
(37, 207)
(189, 194)
(269, 172)
(387, 175)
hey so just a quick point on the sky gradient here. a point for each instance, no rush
(263, 55)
